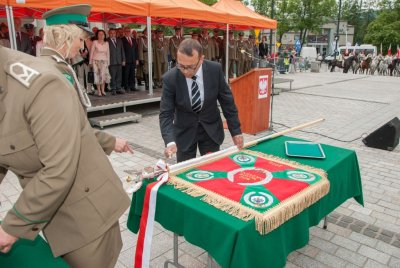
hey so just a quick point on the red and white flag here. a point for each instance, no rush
(398, 52)
(390, 50)
(143, 246)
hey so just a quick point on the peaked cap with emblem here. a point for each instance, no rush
(75, 14)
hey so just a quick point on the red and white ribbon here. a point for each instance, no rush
(142, 256)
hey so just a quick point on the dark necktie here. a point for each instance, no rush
(18, 37)
(196, 100)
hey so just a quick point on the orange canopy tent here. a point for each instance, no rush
(239, 15)
(167, 12)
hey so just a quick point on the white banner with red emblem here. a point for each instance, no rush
(263, 86)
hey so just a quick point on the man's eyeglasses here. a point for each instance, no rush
(187, 68)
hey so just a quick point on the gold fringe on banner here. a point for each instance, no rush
(272, 218)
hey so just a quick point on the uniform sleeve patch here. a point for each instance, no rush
(23, 73)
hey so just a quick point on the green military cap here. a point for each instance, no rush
(216, 30)
(75, 14)
(241, 34)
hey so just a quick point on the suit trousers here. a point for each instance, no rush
(129, 74)
(102, 252)
(203, 141)
(116, 76)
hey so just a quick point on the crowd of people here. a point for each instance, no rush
(117, 60)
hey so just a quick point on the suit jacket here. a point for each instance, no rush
(117, 53)
(70, 190)
(263, 49)
(131, 51)
(177, 120)
(24, 43)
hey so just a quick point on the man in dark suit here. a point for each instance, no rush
(189, 114)
(30, 30)
(263, 48)
(24, 43)
(131, 60)
(117, 60)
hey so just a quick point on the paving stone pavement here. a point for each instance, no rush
(353, 106)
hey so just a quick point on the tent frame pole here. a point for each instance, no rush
(11, 27)
(150, 55)
(227, 54)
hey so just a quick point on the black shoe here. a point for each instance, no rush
(120, 91)
(113, 92)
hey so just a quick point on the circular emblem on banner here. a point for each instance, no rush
(258, 199)
(250, 176)
(200, 175)
(244, 159)
(300, 175)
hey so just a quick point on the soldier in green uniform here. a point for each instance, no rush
(70, 190)
(143, 57)
(218, 42)
(174, 43)
(232, 54)
(249, 55)
(209, 46)
(160, 56)
(240, 56)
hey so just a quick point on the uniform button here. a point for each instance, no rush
(86, 189)
(35, 229)
(12, 147)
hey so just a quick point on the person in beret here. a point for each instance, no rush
(70, 190)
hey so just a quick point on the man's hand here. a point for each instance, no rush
(238, 141)
(122, 146)
(6, 241)
(170, 150)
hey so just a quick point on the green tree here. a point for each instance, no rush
(298, 15)
(310, 15)
(385, 29)
(209, 2)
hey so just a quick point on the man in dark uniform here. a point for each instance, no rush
(24, 44)
(131, 60)
(30, 30)
(117, 61)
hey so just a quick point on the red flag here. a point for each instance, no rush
(390, 50)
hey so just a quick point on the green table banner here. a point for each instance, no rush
(32, 254)
(236, 243)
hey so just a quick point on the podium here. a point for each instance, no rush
(252, 94)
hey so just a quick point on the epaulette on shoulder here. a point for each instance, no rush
(59, 59)
(22, 73)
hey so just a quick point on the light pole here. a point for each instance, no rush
(337, 29)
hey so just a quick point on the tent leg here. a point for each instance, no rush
(150, 56)
(227, 54)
